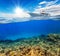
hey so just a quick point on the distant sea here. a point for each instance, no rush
(27, 29)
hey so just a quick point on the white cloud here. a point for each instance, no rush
(50, 7)
(48, 3)
(14, 15)
(44, 2)
(7, 18)
(51, 3)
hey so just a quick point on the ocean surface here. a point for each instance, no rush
(27, 29)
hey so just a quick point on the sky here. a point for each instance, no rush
(30, 5)
(9, 5)
(23, 10)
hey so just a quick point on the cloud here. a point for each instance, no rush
(44, 2)
(48, 3)
(51, 3)
(12, 17)
(51, 7)
(51, 10)
(34, 16)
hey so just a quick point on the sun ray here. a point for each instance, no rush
(17, 3)
(19, 12)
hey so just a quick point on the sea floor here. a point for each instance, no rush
(42, 45)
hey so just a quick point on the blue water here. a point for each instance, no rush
(29, 28)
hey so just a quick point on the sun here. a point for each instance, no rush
(19, 12)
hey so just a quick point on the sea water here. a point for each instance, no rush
(28, 29)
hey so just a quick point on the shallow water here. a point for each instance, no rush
(29, 28)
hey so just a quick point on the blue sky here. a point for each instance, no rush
(9, 5)
(19, 10)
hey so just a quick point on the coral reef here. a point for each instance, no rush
(42, 45)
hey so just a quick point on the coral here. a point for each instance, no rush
(44, 45)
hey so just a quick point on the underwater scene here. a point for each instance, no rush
(29, 28)
(31, 38)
